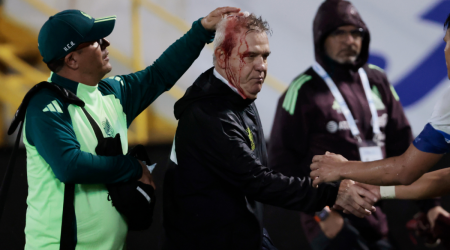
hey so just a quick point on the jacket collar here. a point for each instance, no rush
(226, 91)
(68, 84)
(220, 77)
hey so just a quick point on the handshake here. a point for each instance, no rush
(353, 197)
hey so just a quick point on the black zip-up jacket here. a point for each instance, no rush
(213, 194)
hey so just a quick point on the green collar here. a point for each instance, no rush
(64, 82)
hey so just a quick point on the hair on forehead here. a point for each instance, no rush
(447, 23)
(248, 22)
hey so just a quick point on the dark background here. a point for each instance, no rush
(279, 222)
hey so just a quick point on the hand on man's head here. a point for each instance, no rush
(355, 199)
(210, 21)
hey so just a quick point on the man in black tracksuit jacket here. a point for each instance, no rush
(219, 179)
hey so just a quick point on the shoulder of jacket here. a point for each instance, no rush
(378, 78)
(376, 73)
(375, 67)
(110, 85)
(290, 97)
(211, 109)
(42, 99)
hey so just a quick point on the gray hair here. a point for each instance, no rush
(250, 22)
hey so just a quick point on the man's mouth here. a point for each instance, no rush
(348, 53)
(106, 58)
(259, 78)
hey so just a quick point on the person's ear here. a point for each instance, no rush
(220, 57)
(71, 61)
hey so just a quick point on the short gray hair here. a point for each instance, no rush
(248, 21)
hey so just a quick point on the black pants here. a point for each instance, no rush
(349, 239)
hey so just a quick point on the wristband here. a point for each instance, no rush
(387, 192)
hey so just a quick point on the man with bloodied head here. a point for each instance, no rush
(344, 105)
(219, 175)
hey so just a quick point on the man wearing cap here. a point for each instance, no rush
(61, 143)
(343, 105)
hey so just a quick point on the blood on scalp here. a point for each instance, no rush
(233, 36)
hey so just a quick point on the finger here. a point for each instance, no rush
(346, 212)
(317, 158)
(366, 202)
(366, 193)
(373, 209)
(363, 205)
(316, 182)
(360, 201)
(313, 174)
(355, 204)
(357, 212)
(228, 10)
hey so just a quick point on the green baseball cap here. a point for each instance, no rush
(64, 31)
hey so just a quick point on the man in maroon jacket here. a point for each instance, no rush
(327, 108)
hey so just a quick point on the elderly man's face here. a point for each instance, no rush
(246, 67)
(344, 44)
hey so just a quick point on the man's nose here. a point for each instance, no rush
(349, 39)
(105, 43)
(260, 64)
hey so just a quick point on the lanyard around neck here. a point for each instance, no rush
(343, 105)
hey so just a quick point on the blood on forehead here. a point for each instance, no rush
(235, 36)
(234, 26)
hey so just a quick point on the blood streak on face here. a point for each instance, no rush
(234, 34)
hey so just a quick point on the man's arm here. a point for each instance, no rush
(430, 185)
(399, 170)
(51, 133)
(138, 90)
(220, 143)
(426, 150)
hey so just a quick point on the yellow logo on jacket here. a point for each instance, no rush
(250, 136)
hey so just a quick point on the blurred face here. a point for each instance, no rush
(447, 52)
(93, 58)
(344, 44)
(246, 66)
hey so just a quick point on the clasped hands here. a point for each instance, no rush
(355, 198)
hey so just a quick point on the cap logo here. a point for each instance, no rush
(68, 46)
(86, 15)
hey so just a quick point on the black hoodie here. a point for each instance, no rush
(221, 176)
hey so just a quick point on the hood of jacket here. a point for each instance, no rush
(207, 86)
(331, 15)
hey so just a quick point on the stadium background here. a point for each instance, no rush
(406, 42)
